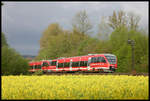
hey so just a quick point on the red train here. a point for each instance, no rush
(90, 62)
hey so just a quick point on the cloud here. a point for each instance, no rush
(24, 22)
(26, 49)
(138, 8)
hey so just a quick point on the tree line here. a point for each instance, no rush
(112, 37)
(12, 63)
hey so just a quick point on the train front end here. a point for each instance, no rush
(112, 60)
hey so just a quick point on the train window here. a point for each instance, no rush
(45, 64)
(60, 64)
(35, 66)
(75, 64)
(39, 66)
(103, 60)
(99, 59)
(50, 63)
(111, 59)
(93, 60)
(53, 63)
(85, 63)
(66, 64)
(81, 63)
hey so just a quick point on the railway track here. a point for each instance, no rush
(96, 73)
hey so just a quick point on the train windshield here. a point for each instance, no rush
(111, 59)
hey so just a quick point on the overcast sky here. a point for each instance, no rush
(24, 22)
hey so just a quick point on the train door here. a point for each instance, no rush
(33, 66)
(60, 65)
(70, 64)
(104, 63)
(67, 64)
(88, 64)
(84, 63)
(49, 68)
(75, 64)
(56, 65)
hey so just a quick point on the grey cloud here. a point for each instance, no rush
(24, 22)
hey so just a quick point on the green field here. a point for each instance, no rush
(75, 87)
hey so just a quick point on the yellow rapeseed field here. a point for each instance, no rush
(75, 87)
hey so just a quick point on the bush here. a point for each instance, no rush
(12, 62)
(39, 72)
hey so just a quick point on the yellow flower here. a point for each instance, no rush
(75, 87)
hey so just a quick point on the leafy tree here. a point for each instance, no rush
(62, 44)
(48, 40)
(122, 49)
(140, 50)
(87, 46)
(53, 42)
(53, 30)
(12, 62)
(3, 39)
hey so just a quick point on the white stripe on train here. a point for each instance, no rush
(78, 68)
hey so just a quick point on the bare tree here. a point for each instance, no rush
(81, 22)
(113, 20)
(118, 20)
(133, 21)
(103, 29)
(121, 18)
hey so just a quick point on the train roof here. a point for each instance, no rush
(109, 55)
(84, 56)
(75, 57)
